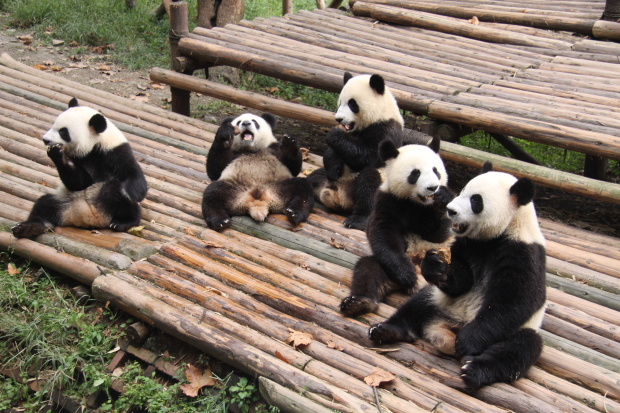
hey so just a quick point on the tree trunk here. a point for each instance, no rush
(212, 13)
(612, 11)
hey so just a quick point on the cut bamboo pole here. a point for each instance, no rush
(578, 335)
(595, 295)
(581, 304)
(287, 400)
(584, 320)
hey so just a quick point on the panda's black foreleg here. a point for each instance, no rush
(504, 362)
(365, 187)
(369, 285)
(290, 154)
(317, 180)
(408, 322)
(114, 200)
(299, 199)
(45, 215)
(214, 201)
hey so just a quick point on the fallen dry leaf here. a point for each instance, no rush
(331, 344)
(25, 37)
(281, 357)
(210, 244)
(156, 86)
(136, 230)
(335, 244)
(474, 20)
(272, 89)
(189, 231)
(378, 376)
(118, 372)
(139, 98)
(40, 67)
(297, 338)
(197, 380)
(304, 154)
(94, 231)
(12, 269)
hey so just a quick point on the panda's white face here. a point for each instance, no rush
(363, 102)
(256, 132)
(486, 209)
(80, 128)
(416, 173)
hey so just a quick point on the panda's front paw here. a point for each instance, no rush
(56, 153)
(443, 196)
(434, 268)
(356, 222)
(218, 224)
(225, 134)
(388, 333)
(288, 142)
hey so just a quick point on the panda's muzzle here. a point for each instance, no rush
(247, 135)
(459, 229)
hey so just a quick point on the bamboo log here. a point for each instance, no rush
(582, 258)
(584, 71)
(250, 99)
(22, 188)
(29, 158)
(581, 239)
(286, 71)
(287, 400)
(568, 79)
(584, 320)
(579, 290)
(214, 342)
(433, 22)
(595, 46)
(580, 304)
(582, 94)
(606, 30)
(578, 335)
(527, 9)
(79, 269)
(29, 175)
(583, 275)
(540, 392)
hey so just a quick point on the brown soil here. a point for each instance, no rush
(97, 71)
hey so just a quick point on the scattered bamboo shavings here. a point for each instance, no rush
(383, 350)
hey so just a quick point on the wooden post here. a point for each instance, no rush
(287, 7)
(514, 149)
(178, 28)
(595, 167)
(612, 11)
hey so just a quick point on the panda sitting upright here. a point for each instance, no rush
(254, 174)
(367, 114)
(487, 303)
(102, 183)
(408, 218)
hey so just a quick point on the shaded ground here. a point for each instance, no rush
(95, 70)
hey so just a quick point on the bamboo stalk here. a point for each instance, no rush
(583, 275)
(578, 335)
(580, 304)
(287, 400)
(584, 320)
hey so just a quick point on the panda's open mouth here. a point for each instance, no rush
(247, 136)
(349, 126)
(426, 199)
(459, 228)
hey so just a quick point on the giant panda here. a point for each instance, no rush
(102, 183)
(367, 114)
(408, 218)
(254, 174)
(486, 304)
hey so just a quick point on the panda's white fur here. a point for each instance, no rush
(373, 107)
(255, 133)
(75, 119)
(501, 213)
(397, 171)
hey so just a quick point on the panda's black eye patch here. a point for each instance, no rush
(476, 203)
(413, 176)
(256, 124)
(437, 173)
(238, 122)
(64, 134)
(353, 106)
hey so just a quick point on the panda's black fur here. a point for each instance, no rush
(367, 114)
(102, 183)
(487, 304)
(409, 217)
(254, 174)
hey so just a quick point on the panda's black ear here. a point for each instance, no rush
(98, 123)
(487, 167)
(524, 191)
(435, 144)
(271, 120)
(377, 84)
(387, 150)
(347, 77)
(73, 103)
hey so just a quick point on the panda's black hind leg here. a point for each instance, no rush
(366, 185)
(45, 215)
(369, 286)
(214, 201)
(124, 212)
(300, 199)
(504, 362)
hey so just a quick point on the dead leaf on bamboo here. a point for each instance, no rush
(304, 154)
(210, 244)
(197, 380)
(136, 230)
(297, 338)
(474, 20)
(281, 357)
(336, 244)
(331, 344)
(189, 231)
(378, 376)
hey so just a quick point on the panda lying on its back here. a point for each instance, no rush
(409, 217)
(254, 174)
(102, 183)
(487, 304)
(367, 114)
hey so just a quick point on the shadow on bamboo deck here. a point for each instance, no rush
(239, 294)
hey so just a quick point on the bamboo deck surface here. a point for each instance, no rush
(544, 86)
(239, 294)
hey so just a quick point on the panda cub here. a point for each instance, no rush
(367, 114)
(102, 183)
(254, 174)
(409, 217)
(487, 303)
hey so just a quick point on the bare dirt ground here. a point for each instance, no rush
(96, 70)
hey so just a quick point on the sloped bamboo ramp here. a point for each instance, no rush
(237, 295)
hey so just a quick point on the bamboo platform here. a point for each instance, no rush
(238, 295)
(544, 86)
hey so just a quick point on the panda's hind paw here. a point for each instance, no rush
(388, 333)
(218, 224)
(479, 371)
(357, 305)
(295, 216)
(29, 229)
(356, 222)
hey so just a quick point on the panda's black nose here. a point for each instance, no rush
(339, 120)
(432, 188)
(46, 142)
(451, 212)
(246, 123)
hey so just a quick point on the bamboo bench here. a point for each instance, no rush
(236, 295)
(555, 90)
